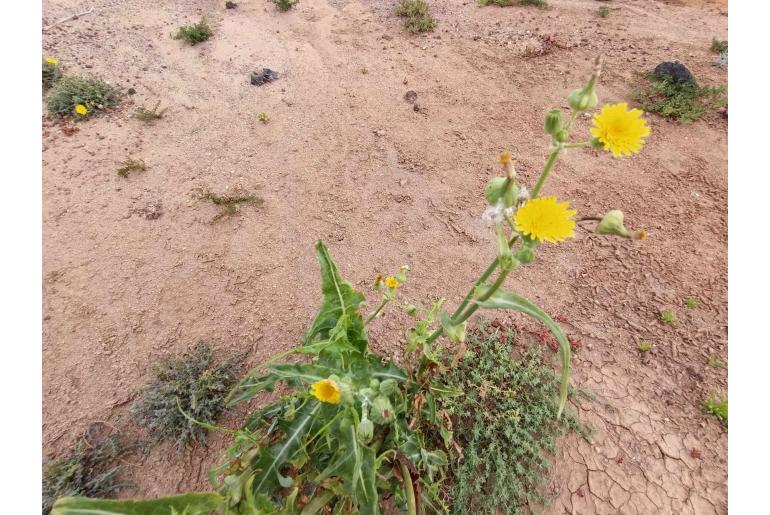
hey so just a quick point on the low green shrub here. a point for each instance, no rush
(195, 33)
(542, 4)
(684, 101)
(416, 12)
(718, 46)
(89, 469)
(71, 92)
(285, 5)
(192, 383)
(716, 407)
(505, 422)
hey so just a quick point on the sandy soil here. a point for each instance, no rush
(346, 159)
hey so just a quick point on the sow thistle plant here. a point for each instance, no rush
(352, 432)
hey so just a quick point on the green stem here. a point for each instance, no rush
(492, 289)
(411, 502)
(546, 172)
(376, 311)
(571, 119)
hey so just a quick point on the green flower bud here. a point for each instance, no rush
(382, 410)
(553, 121)
(388, 387)
(583, 99)
(504, 258)
(374, 384)
(410, 309)
(495, 190)
(366, 430)
(511, 195)
(595, 143)
(525, 255)
(561, 136)
(612, 223)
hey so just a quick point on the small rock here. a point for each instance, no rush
(263, 77)
(410, 96)
(131, 91)
(230, 5)
(675, 71)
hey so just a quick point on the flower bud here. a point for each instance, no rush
(612, 223)
(561, 136)
(495, 190)
(382, 410)
(504, 258)
(388, 387)
(366, 430)
(410, 309)
(553, 123)
(583, 99)
(374, 384)
(596, 143)
(526, 255)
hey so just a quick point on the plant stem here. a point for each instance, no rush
(578, 145)
(411, 503)
(376, 311)
(492, 289)
(546, 172)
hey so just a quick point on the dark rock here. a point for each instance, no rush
(131, 91)
(230, 5)
(676, 72)
(410, 96)
(263, 77)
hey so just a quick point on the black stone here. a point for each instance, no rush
(230, 5)
(263, 77)
(131, 91)
(676, 72)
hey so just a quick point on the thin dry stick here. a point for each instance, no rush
(68, 18)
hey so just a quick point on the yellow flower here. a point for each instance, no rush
(505, 158)
(391, 282)
(620, 130)
(545, 219)
(52, 61)
(81, 109)
(326, 390)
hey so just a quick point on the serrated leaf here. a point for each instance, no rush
(189, 504)
(508, 300)
(340, 304)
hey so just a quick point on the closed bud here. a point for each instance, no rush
(583, 99)
(612, 223)
(526, 255)
(366, 430)
(595, 143)
(410, 309)
(382, 410)
(553, 121)
(495, 189)
(388, 387)
(561, 136)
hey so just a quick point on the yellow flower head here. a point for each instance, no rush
(81, 109)
(505, 158)
(391, 282)
(52, 61)
(620, 130)
(326, 390)
(545, 219)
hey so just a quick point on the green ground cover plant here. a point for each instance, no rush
(506, 424)
(347, 430)
(89, 469)
(192, 386)
(542, 4)
(285, 5)
(716, 407)
(80, 97)
(683, 101)
(416, 14)
(195, 33)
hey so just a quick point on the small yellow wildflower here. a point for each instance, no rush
(52, 61)
(505, 158)
(641, 234)
(392, 282)
(620, 130)
(81, 109)
(545, 219)
(326, 391)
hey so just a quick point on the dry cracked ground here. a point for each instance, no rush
(133, 271)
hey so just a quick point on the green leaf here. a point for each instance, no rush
(455, 332)
(443, 391)
(354, 463)
(340, 302)
(268, 465)
(189, 504)
(383, 371)
(507, 300)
